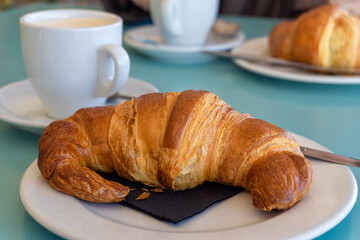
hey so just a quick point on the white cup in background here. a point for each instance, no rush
(73, 58)
(184, 22)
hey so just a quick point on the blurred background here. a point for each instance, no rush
(136, 10)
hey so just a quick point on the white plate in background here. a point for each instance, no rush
(259, 47)
(148, 41)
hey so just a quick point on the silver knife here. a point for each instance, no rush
(282, 62)
(330, 157)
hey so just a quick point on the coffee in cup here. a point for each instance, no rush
(75, 22)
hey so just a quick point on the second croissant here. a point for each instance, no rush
(328, 36)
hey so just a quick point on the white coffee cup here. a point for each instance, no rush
(73, 58)
(184, 22)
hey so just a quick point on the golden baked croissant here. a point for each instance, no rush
(176, 141)
(327, 36)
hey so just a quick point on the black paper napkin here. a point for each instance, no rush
(173, 206)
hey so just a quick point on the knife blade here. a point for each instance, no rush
(281, 62)
(330, 157)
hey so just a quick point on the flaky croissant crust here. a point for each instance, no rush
(176, 141)
(327, 36)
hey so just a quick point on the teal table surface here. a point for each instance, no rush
(327, 114)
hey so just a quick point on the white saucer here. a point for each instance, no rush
(148, 41)
(21, 107)
(259, 47)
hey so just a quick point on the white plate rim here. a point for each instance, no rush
(12, 118)
(294, 75)
(66, 228)
(231, 42)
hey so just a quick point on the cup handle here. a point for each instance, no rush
(170, 13)
(104, 86)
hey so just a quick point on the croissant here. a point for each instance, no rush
(176, 141)
(327, 36)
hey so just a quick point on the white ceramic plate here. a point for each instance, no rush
(331, 197)
(21, 107)
(147, 40)
(259, 47)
